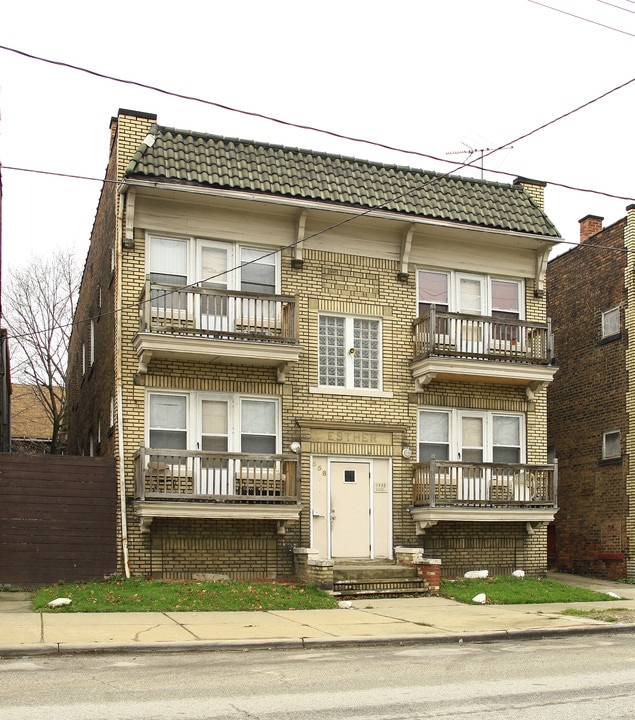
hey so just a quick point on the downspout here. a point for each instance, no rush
(119, 381)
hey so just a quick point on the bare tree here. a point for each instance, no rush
(38, 307)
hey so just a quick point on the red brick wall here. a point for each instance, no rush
(587, 398)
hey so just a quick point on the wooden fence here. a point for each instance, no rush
(58, 518)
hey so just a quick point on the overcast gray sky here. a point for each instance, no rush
(433, 77)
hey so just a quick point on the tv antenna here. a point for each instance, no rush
(469, 151)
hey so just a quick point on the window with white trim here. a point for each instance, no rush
(213, 263)
(167, 422)
(349, 352)
(611, 322)
(611, 444)
(92, 343)
(213, 422)
(471, 436)
(468, 293)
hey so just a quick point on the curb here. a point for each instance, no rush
(310, 643)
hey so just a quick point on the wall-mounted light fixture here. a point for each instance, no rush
(295, 447)
(406, 452)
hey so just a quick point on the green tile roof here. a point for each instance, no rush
(199, 159)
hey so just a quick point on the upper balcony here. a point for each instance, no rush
(476, 348)
(198, 484)
(455, 491)
(216, 326)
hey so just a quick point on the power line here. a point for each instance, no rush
(579, 17)
(338, 224)
(310, 128)
(619, 7)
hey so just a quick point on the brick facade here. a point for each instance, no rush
(372, 426)
(588, 397)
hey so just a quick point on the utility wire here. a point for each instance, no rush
(342, 222)
(579, 17)
(619, 7)
(322, 131)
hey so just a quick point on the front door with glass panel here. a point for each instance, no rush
(350, 516)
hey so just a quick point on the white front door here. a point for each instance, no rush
(350, 511)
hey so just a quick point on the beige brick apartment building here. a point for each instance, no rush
(291, 352)
(592, 399)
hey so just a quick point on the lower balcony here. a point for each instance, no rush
(449, 491)
(197, 484)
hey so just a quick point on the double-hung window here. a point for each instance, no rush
(227, 435)
(349, 352)
(212, 263)
(212, 274)
(471, 436)
(468, 293)
(611, 445)
(611, 323)
(167, 421)
(213, 422)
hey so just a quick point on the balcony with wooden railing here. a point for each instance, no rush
(452, 346)
(197, 484)
(216, 326)
(445, 490)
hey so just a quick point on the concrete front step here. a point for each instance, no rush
(376, 578)
(385, 588)
(372, 571)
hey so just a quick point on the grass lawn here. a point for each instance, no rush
(136, 595)
(511, 590)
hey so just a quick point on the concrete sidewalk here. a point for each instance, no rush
(370, 621)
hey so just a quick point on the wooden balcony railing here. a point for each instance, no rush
(448, 483)
(220, 477)
(479, 337)
(216, 313)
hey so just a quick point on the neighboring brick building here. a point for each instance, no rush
(591, 304)
(31, 426)
(295, 352)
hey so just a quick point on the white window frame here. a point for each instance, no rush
(349, 351)
(234, 408)
(605, 443)
(454, 277)
(91, 350)
(608, 321)
(454, 432)
(232, 279)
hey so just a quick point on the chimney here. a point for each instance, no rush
(589, 225)
(534, 188)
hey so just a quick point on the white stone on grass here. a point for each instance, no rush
(59, 602)
(480, 598)
(519, 573)
(476, 574)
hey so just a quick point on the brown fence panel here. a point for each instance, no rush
(58, 518)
